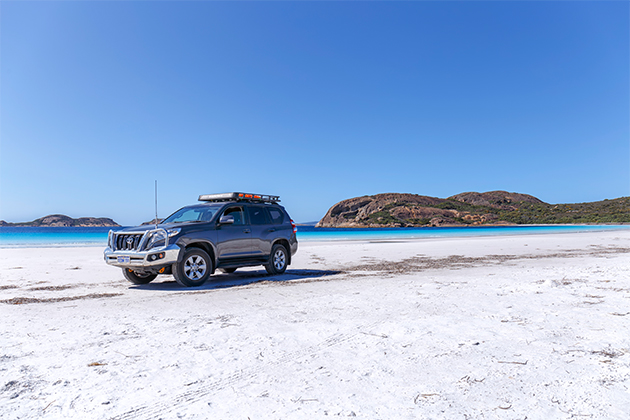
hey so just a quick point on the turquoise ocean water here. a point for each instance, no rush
(12, 237)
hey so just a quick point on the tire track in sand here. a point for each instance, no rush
(206, 388)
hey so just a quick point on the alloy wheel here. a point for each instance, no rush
(195, 267)
(279, 259)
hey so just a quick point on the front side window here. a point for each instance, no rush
(237, 213)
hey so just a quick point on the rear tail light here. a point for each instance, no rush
(293, 225)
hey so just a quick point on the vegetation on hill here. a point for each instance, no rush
(60, 220)
(490, 208)
(607, 211)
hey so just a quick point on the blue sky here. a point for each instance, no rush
(314, 101)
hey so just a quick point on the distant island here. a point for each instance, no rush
(60, 220)
(467, 209)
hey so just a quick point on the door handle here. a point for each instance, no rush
(271, 230)
(246, 231)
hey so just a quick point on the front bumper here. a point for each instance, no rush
(142, 259)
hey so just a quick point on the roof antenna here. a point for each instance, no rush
(156, 214)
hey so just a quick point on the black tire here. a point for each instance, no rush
(194, 269)
(277, 260)
(138, 278)
(228, 270)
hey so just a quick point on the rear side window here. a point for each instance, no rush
(277, 217)
(257, 216)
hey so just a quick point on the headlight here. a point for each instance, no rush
(157, 238)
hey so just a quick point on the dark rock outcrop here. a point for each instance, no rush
(374, 210)
(496, 199)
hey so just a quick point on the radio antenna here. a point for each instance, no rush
(156, 213)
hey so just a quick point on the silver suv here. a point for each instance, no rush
(224, 231)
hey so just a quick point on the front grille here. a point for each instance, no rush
(128, 241)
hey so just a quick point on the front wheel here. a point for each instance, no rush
(138, 278)
(277, 260)
(194, 269)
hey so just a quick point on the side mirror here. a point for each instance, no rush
(226, 220)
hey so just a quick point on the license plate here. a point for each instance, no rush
(123, 259)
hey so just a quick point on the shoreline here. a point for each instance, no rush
(495, 225)
(367, 227)
(332, 234)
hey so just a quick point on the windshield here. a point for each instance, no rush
(198, 213)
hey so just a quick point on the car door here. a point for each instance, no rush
(234, 240)
(262, 230)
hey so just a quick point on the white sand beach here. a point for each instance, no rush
(532, 326)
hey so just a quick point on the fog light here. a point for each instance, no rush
(155, 257)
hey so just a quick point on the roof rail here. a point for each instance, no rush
(239, 196)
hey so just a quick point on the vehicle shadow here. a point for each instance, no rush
(222, 281)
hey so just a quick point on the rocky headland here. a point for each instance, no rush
(60, 220)
(469, 208)
(152, 222)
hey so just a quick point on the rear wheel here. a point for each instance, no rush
(277, 260)
(138, 278)
(194, 269)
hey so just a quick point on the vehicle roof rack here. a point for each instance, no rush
(239, 196)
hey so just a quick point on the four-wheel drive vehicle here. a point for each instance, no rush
(225, 232)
